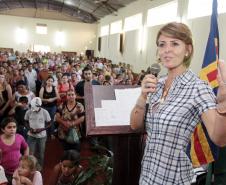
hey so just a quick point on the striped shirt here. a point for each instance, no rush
(169, 126)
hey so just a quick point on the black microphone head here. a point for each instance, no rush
(154, 69)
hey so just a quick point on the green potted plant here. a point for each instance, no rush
(100, 168)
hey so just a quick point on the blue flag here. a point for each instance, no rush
(209, 66)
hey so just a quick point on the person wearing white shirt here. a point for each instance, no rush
(31, 75)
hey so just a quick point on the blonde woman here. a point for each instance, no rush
(177, 102)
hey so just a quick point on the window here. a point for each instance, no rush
(41, 29)
(134, 22)
(21, 36)
(162, 14)
(41, 48)
(116, 27)
(195, 11)
(104, 30)
(60, 38)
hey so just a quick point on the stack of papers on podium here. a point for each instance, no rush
(117, 112)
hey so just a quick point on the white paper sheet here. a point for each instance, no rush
(117, 112)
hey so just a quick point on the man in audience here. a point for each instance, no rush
(31, 75)
(79, 88)
(88, 77)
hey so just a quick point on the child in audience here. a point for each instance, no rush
(11, 145)
(65, 172)
(27, 173)
(38, 122)
(18, 111)
(3, 179)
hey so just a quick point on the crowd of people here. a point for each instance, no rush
(42, 97)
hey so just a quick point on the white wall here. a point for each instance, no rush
(141, 59)
(78, 36)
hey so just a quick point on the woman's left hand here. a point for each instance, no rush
(221, 75)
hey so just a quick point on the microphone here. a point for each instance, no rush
(154, 69)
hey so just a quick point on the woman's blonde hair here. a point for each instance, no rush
(179, 31)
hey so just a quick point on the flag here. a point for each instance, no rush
(209, 66)
(201, 149)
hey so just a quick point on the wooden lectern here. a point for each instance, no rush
(127, 147)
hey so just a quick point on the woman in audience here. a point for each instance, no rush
(23, 77)
(11, 145)
(49, 96)
(63, 86)
(70, 115)
(27, 173)
(5, 96)
(22, 90)
(66, 172)
(14, 79)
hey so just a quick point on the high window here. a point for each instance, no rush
(116, 27)
(162, 14)
(133, 22)
(195, 11)
(104, 30)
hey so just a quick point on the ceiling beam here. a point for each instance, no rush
(97, 8)
(107, 5)
(62, 6)
(48, 4)
(21, 3)
(35, 4)
(6, 4)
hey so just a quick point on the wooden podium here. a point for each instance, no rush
(127, 147)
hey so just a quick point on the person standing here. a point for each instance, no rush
(70, 115)
(177, 102)
(31, 76)
(12, 146)
(5, 96)
(87, 75)
(49, 96)
(38, 122)
(79, 89)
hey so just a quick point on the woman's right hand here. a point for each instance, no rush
(148, 85)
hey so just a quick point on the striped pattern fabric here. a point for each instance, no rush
(201, 149)
(169, 125)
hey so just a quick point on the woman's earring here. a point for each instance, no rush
(186, 54)
(158, 60)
